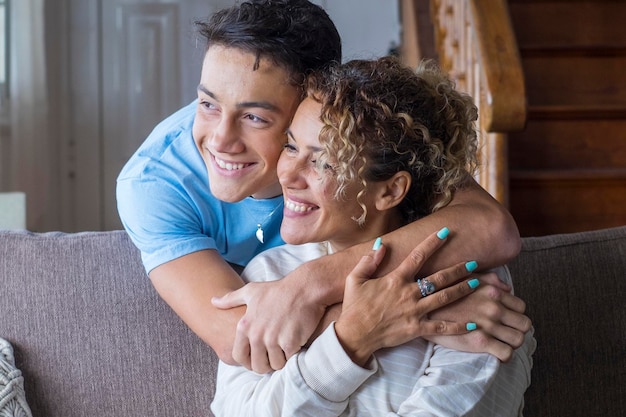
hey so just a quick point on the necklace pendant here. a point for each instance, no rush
(259, 233)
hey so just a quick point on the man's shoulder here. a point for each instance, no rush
(180, 119)
(168, 131)
(170, 143)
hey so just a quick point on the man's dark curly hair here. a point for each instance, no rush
(294, 34)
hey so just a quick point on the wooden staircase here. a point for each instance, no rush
(560, 165)
(568, 166)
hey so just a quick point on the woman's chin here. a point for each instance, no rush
(296, 237)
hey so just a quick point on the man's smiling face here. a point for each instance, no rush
(241, 120)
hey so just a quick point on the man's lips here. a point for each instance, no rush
(230, 166)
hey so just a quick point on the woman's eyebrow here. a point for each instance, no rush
(313, 149)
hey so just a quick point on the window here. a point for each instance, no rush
(4, 53)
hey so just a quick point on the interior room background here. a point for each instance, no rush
(83, 82)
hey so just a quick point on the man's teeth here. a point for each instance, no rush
(228, 165)
(299, 208)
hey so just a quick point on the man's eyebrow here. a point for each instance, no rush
(206, 91)
(258, 104)
(246, 104)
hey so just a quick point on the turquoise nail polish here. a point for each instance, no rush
(443, 233)
(470, 266)
(377, 243)
(473, 283)
(470, 326)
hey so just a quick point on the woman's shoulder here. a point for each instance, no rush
(276, 262)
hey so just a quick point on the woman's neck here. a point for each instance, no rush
(371, 230)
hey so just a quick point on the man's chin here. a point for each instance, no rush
(228, 194)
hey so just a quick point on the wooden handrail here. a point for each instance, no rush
(475, 43)
(498, 56)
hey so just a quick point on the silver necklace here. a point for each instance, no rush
(259, 230)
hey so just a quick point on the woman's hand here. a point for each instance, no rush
(391, 310)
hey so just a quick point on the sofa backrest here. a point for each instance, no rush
(93, 339)
(90, 334)
(575, 289)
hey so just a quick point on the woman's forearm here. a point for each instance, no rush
(316, 382)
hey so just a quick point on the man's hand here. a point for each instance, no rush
(278, 321)
(498, 314)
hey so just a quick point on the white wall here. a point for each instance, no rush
(368, 28)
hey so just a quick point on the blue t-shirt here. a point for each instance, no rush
(166, 206)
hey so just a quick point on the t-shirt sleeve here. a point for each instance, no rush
(160, 219)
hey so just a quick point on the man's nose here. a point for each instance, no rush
(226, 136)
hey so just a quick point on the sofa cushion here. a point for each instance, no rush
(91, 335)
(575, 289)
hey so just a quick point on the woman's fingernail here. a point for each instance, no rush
(377, 243)
(473, 283)
(443, 233)
(470, 326)
(470, 266)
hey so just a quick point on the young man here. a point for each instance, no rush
(202, 192)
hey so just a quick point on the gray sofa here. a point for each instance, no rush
(92, 337)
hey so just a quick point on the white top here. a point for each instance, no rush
(418, 378)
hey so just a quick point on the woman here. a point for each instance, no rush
(374, 146)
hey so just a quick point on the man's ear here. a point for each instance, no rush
(392, 191)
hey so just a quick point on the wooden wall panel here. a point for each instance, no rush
(535, 26)
(546, 205)
(569, 144)
(576, 80)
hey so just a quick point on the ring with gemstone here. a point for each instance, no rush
(426, 287)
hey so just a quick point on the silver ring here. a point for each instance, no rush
(426, 287)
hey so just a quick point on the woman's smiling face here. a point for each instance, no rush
(312, 212)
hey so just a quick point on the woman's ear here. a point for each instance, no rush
(393, 190)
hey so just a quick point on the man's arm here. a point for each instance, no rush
(188, 283)
(481, 229)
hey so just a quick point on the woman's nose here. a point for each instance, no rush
(289, 172)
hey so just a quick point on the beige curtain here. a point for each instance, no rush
(30, 152)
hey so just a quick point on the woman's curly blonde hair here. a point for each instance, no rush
(381, 117)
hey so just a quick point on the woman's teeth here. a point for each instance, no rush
(298, 208)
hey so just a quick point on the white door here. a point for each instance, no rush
(133, 63)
